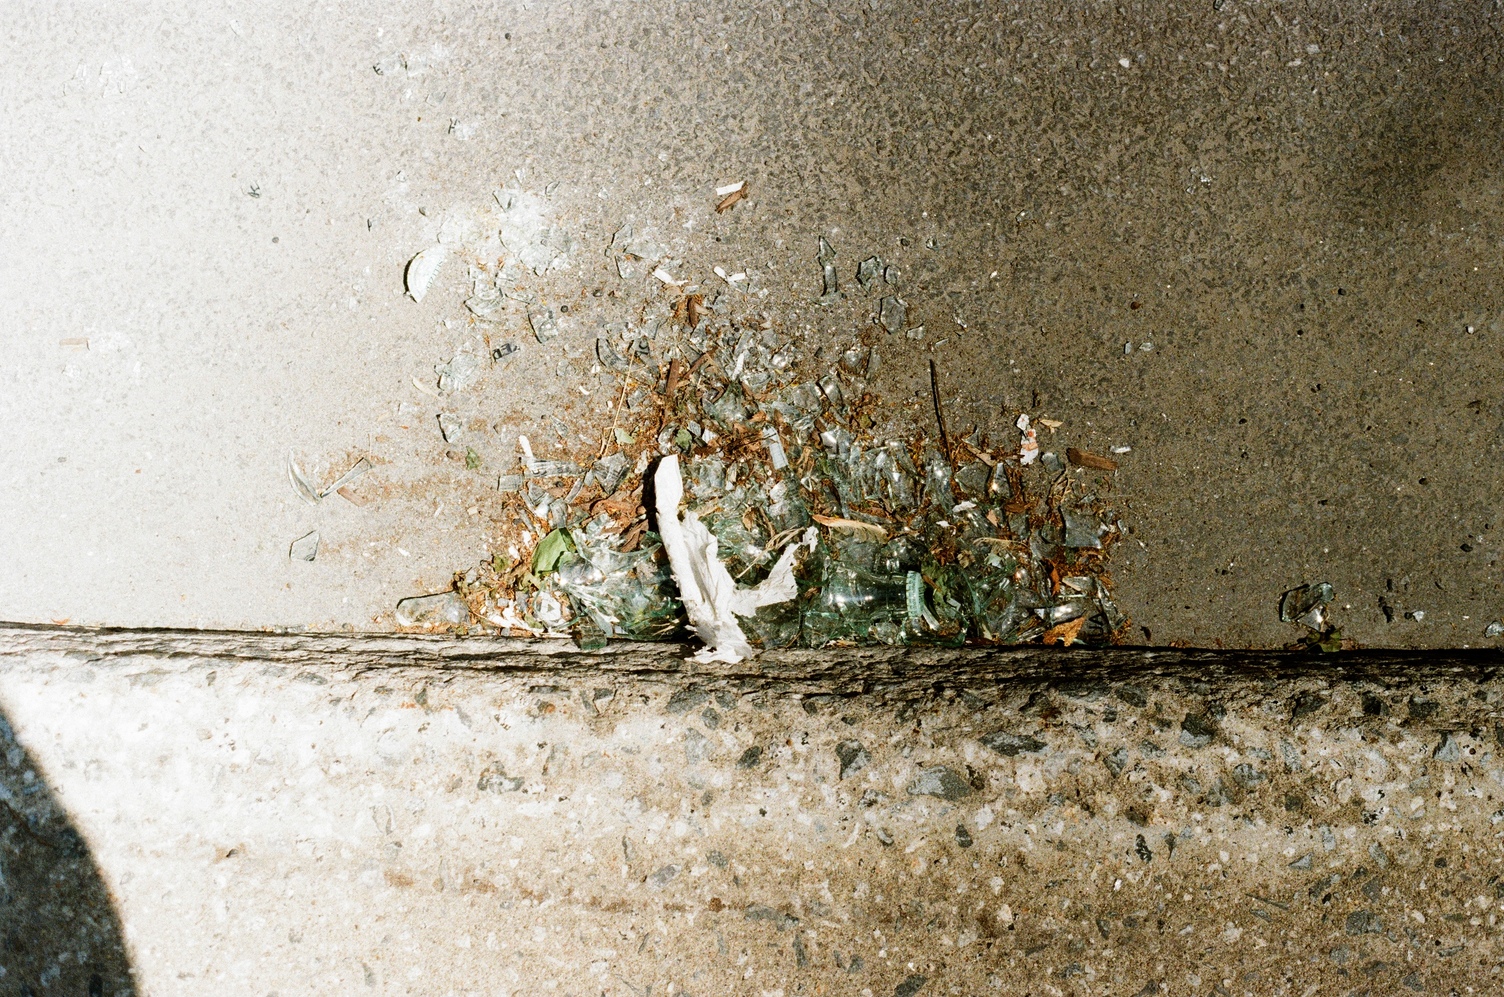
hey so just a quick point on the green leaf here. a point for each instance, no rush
(549, 550)
(472, 459)
(624, 438)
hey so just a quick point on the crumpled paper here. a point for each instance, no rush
(711, 597)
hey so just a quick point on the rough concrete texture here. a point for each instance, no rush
(352, 815)
(1296, 206)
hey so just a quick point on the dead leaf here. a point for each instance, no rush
(1085, 458)
(694, 367)
(621, 502)
(632, 537)
(870, 531)
(1064, 633)
(726, 203)
(671, 383)
(1005, 544)
(690, 309)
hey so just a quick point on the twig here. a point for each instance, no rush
(626, 379)
(671, 386)
(939, 411)
(694, 367)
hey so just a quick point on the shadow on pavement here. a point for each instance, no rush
(59, 932)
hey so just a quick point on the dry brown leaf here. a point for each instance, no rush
(1085, 458)
(632, 537)
(628, 502)
(690, 309)
(725, 204)
(1064, 633)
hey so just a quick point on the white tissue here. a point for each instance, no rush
(711, 597)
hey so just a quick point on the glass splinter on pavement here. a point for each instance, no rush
(305, 548)
(927, 540)
(830, 282)
(1306, 605)
(892, 313)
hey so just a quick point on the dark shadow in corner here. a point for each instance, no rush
(59, 932)
(1420, 146)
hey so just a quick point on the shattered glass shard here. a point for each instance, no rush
(544, 325)
(1306, 605)
(892, 313)
(444, 607)
(462, 371)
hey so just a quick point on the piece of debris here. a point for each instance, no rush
(545, 326)
(1081, 527)
(1064, 633)
(423, 268)
(1028, 447)
(300, 482)
(690, 310)
(826, 257)
(868, 270)
(544, 468)
(729, 195)
(356, 472)
(1085, 458)
(74, 343)
(939, 408)
(459, 373)
(866, 531)
(711, 597)
(306, 547)
(1306, 605)
(352, 496)
(450, 427)
(443, 607)
(892, 313)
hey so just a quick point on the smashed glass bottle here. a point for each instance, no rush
(920, 542)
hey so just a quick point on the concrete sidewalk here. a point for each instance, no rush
(1292, 215)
